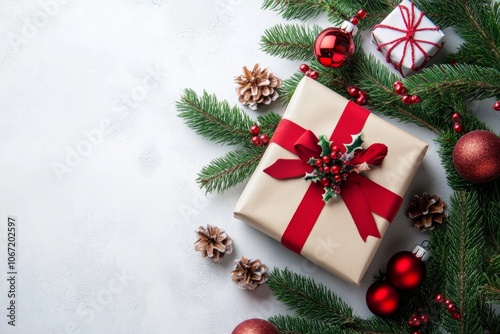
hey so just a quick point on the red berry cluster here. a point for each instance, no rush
(496, 105)
(332, 168)
(257, 140)
(417, 320)
(304, 68)
(450, 306)
(457, 126)
(361, 14)
(400, 89)
(360, 95)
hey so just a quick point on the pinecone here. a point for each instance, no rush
(213, 242)
(257, 87)
(426, 212)
(248, 274)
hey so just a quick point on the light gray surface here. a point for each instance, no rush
(105, 241)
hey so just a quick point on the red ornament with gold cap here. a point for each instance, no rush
(334, 46)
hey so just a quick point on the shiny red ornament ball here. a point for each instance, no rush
(415, 99)
(255, 326)
(361, 100)
(458, 127)
(406, 99)
(303, 68)
(256, 141)
(353, 91)
(264, 138)
(405, 270)
(382, 299)
(361, 13)
(254, 129)
(333, 47)
(496, 105)
(456, 117)
(476, 156)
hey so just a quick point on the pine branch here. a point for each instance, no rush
(316, 303)
(377, 81)
(288, 324)
(309, 300)
(491, 290)
(476, 21)
(214, 120)
(290, 41)
(298, 9)
(464, 271)
(336, 10)
(227, 171)
(467, 81)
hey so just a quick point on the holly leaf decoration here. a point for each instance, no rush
(324, 143)
(329, 194)
(355, 144)
(312, 162)
(312, 177)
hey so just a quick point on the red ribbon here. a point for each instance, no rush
(361, 195)
(411, 27)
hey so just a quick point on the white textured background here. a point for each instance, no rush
(105, 238)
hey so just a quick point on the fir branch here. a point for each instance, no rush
(377, 81)
(476, 21)
(464, 270)
(491, 290)
(297, 9)
(466, 81)
(309, 300)
(288, 324)
(336, 10)
(227, 171)
(290, 41)
(316, 303)
(214, 120)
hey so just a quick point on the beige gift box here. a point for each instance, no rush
(334, 242)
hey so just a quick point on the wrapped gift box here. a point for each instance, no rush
(326, 233)
(407, 38)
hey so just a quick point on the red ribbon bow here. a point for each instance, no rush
(361, 195)
(412, 23)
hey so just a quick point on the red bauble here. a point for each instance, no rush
(406, 270)
(496, 105)
(254, 129)
(333, 47)
(255, 326)
(476, 156)
(382, 299)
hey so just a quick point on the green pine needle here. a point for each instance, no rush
(464, 277)
(214, 120)
(288, 324)
(290, 41)
(227, 171)
(467, 81)
(310, 300)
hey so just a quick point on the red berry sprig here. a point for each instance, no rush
(450, 306)
(457, 126)
(360, 95)
(496, 105)
(304, 68)
(400, 89)
(418, 320)
(258, 140)
(361, 14)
